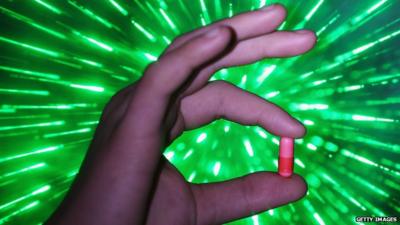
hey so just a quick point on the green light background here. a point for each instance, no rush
(60, 62)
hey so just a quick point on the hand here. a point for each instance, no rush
(126, 180)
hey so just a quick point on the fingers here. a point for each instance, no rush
(222, 202)
(245, 25)
(174, 68)
(220, 99)
(147, 107)
(277, 44)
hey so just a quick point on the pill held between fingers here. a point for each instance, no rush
(285, 165)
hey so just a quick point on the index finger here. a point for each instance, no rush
(246, 25)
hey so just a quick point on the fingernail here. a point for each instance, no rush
(269, 7)
(213, 33)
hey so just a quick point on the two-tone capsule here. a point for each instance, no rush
(285, 166)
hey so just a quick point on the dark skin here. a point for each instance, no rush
(125, 179)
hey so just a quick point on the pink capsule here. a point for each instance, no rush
(285, 166)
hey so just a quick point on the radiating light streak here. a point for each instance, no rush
(150, 57)
(32, 23)
(267, 71)
(88, 123)
(88, 87)
(91, 14)
(39, 165)
(362, 159)
(376, 6)
(371, 118)
(299, 163)
(24, 92)
(320, 31)
(192, 176)
(16, 212)
(36, 192)
(305, 106)
(144, 31)
(261, 132)
(216, 168)
(37, 49)
(29, 72)
(272, 94)
(204, 12)
(311, 147)
(89, 62)
(169, 155)
(313, 10)
(248, 147)
(255, 220)
(169, 21)
(318, 218)
(188, 154)
(34, 152)
(262, 3)
(99, 44)
(201, 137)
(79, 131)
(308, 122)
(119, 7)
(226, 128)
(46, 124)
(50, 7)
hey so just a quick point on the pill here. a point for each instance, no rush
(285, 165)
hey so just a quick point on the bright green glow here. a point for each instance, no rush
(318, 218)
(371, 118)
(205, 12)
(100, 44)
(255, 220)
(311, 147)
(262, 3)
(48, 6)
(28, 72)
(29, 206)
(267, 71)
(249, 148)
(357, 157)
(31, 22)
(41, 50)
(143, 30)
(79, 131)
(313, 10)
(376, 6)
(26, 92)
(309, 122)
(55, 123)
(169, 21)
(150, 56)
(363, 48)
(62, 61)
(216, 168)
(39, 165)
(201, 137)
(119, 7)
(91, 14)
(88, 87)
(89, 62)
(36, 192)
(299, 163)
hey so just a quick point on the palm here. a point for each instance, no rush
(173, 201)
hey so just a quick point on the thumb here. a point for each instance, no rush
(222, 202)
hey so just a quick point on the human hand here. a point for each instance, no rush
(126, 180)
